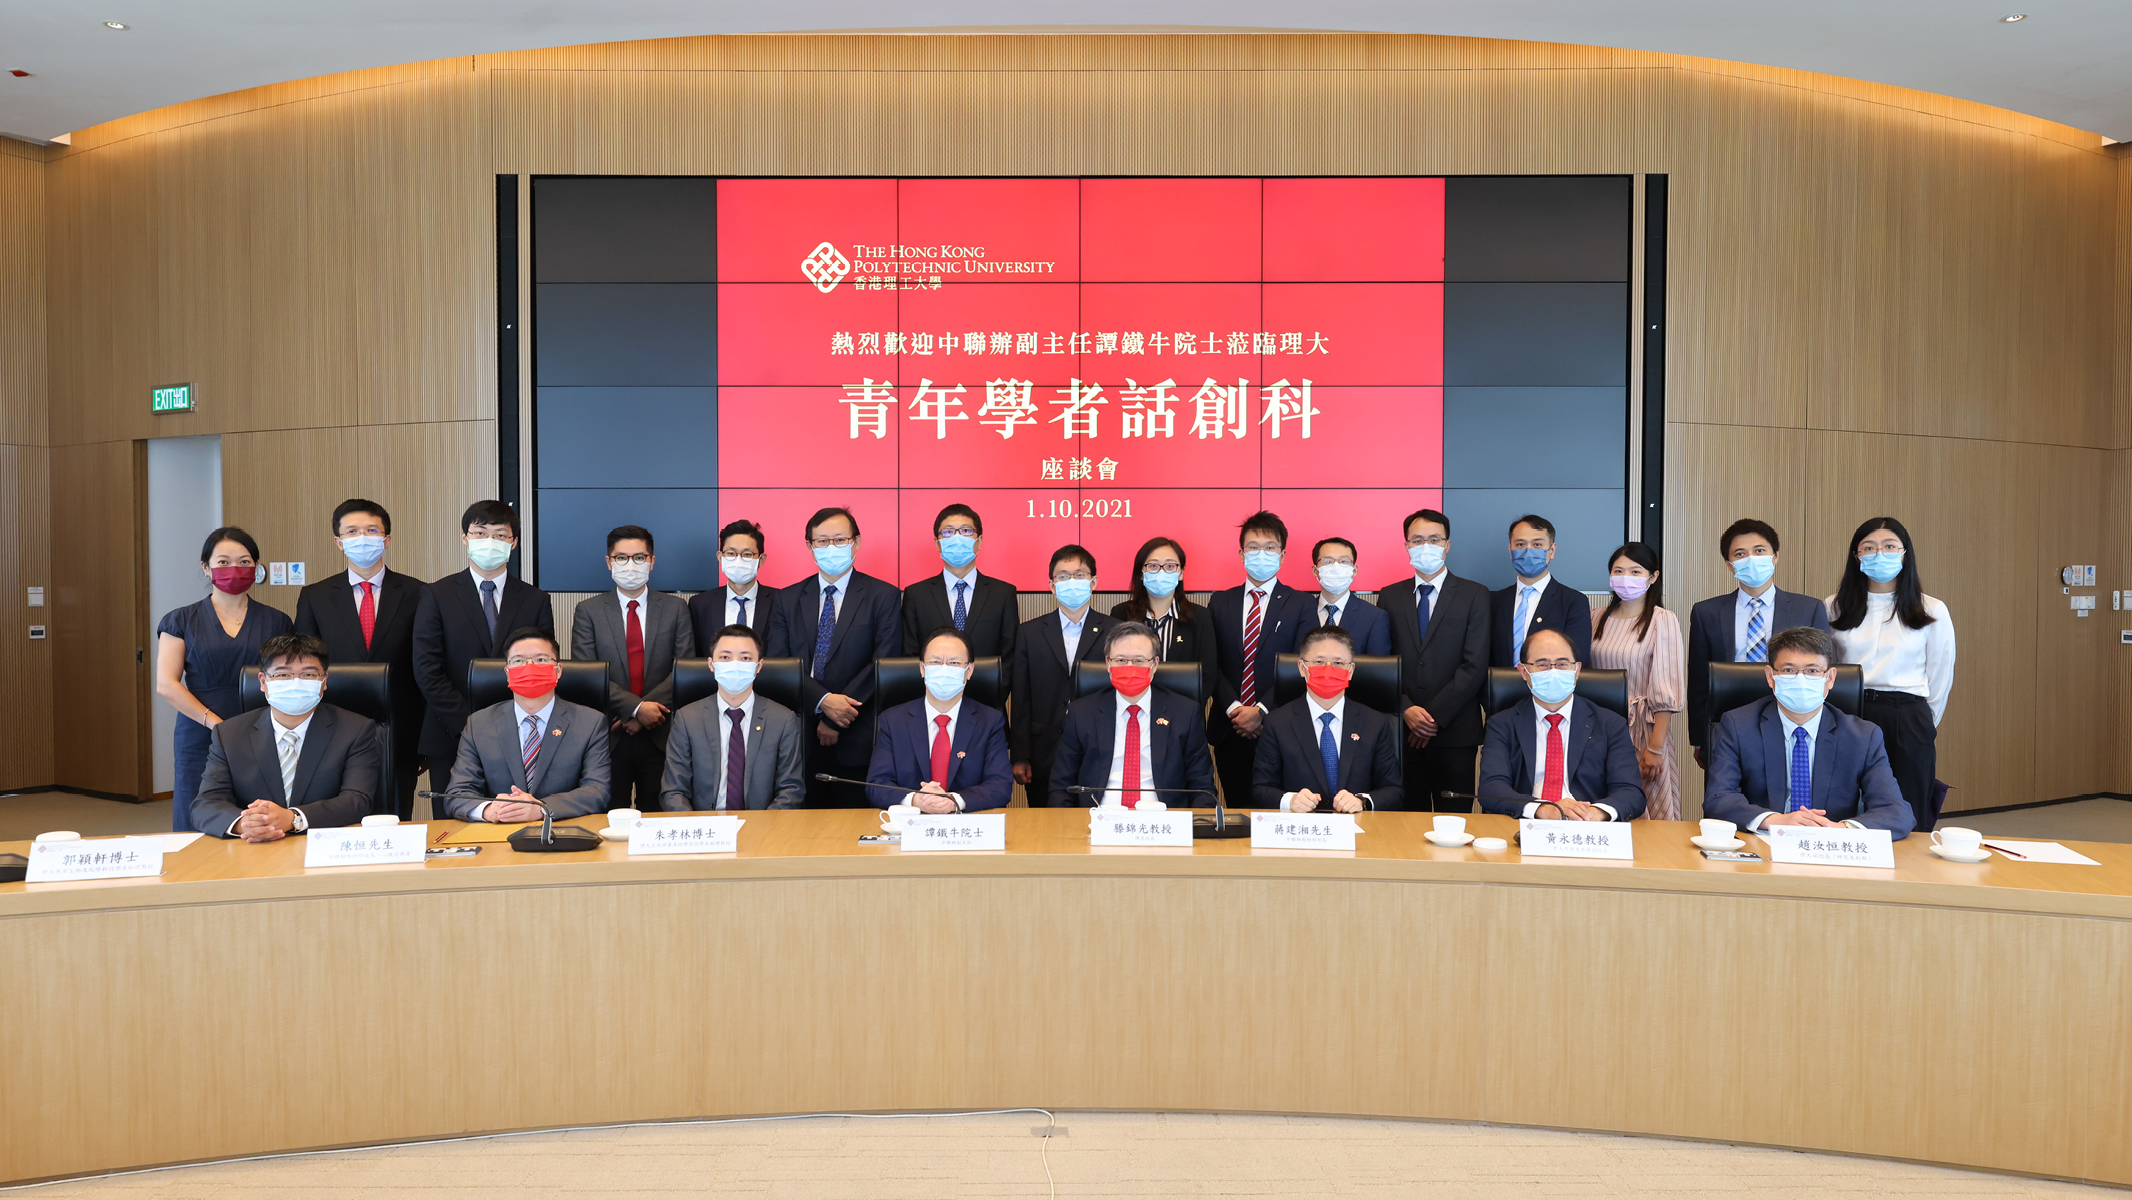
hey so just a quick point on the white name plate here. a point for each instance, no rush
(1576, 839)
(955, 831)
(1826, 847)
(1127, 827)
(1303, 831)
(686, 835)
(365, 846)
(104, 858)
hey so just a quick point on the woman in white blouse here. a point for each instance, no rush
(1903, 640)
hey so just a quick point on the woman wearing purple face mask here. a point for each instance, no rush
(1632, 633)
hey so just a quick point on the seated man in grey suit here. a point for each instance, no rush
(734, 749)
(302, 763)
(536, 745)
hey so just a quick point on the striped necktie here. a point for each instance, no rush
(289, 746)
(1251, 625)
(1757, 633)
(532, 747)
(1518, 622)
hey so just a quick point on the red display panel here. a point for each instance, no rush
(1097, 361)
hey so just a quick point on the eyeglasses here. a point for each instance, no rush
(1429, 539)
(538, 660)
(1138, 660)
(956, 531)
(311, 673)
(1163, 568)
(740, 554)
(947, 662)
(1809, 672)
(630, 560)
(824, 542)
(1554, 664)
(1070, 573)
(1345, 664)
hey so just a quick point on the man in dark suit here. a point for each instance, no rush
(1333, 559)
(983, 607)
(735, 749)
(304, 764)
(946, 751)
(837, 621)
(1769, 754)
(534, 746)
(743, 600)
(1046, 650)
(1738, 626)
(1555, 754)
(1440, 628)
(638, 633)
(368, 616)
(1322, 752)
(1537, 600)
(459, 620)
(1253, 625)
(1137, 740)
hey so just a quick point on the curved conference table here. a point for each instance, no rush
(1972, 1015)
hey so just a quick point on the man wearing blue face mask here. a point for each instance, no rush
(946, 751)
(837, 621)
(1046, 650)
(1536, 600)
(294, 765)
(1737, 626)
(1554, 755)
(734, 749)
(984, 609)
(1440, 632)
(1253, 626)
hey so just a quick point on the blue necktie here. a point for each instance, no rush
(825, 630)
(1757, 643)
(1329, 750)
(742, 601)
(1517, 627)
(1802, 774)
(1421, 610)
(962, 615)
(488, 607)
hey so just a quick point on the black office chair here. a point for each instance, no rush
(1733, 684)
(582, 683)
(1184, 679)
(902, 680)
(776, 679)
(364, 689)
(1375, 683)
(1607, 689)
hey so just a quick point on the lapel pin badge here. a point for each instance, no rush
(1354, 737)
(1162, 720)
(962, 754)
(555, 733)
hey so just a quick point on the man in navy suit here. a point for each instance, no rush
(1790, 759)
(1537, 600)
(946, 751)
(1737, 626)
(1133, 739)
(1253, 625)
(743, 600)
(1048, 651)
(1321, 751)
(1555, 754)
(837, 621)
(985, 608)
(1440, 630)
(1336, 603)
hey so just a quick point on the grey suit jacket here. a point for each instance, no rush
(570, 776)
(598, 634)
(775, 763)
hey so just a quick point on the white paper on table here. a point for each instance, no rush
(174, 842)
(2047, 852)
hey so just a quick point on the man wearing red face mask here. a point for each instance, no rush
(1325, 751)
(534, 745)
(1132, 739)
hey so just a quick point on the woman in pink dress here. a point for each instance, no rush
(1632, 633)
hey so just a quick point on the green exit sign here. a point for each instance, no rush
(175, 398)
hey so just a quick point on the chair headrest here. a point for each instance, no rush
(364, 689)
(1375, 682)
(1184, 679)
(582, 683)
(777, 678)
(902, 680)
(1607, 689)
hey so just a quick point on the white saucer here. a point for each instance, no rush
(1490, 844)
(1957, 856)
(1448, 841)
(1709, 844)
(615, 834)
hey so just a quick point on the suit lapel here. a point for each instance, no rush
(754, 778)
(1527, 715)
(314, 749)
(340, 607)
(958, 746)
(1106, 742)
(469, 600)
(265, 735)
(1721, 641)
(389, 594)
(1054, 637)
(1823, 783)
(1775, 760)
(1580, 719)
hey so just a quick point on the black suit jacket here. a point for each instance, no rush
(1042, 684)
(1190, 640)
(1710, 628)
(1371, 762)
(1289, 614)
(450, 632)
(1600, 766)
(869, 627)
(1442, 670)
(1178, 741)
(992, 614)
(336, 771)
(1561, 608)
(326, 610)
(706, 613)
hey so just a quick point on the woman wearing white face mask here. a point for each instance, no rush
(1155, 598)
(1903, 641)
(1634, 634)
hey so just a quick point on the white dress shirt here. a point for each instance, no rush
(1539, 759)
(932, 730)
(948, 576)
(302, 730)
(502, 573)
(1264, 592)
(725, 737)
(1070, 629)
(1813, 744)
(1896, 658)
(733, 600)
(1116, 780)
(1428, 589)
(1743, 612)
(1538, 588)
(843, 593)
(518, 739)
(1338, 606)
(1338, 709)
(377, 586)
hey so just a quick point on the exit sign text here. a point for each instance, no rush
(175, 398)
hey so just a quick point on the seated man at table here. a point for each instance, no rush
(1322, 751)
(1555, 755)
(946, 751)
(303, 763)
(536, 745)
(735, 748)
(1133, 740)
(1790, 759)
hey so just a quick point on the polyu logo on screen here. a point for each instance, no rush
(825, 267)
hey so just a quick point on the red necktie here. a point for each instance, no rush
(367, 611)
(1130, 778)
(940, 751)
(633, 639)
(1250, 689)
(1551, 786)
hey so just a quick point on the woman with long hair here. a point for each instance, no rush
(1903, 641)
(1634, 634)
(1157, 598)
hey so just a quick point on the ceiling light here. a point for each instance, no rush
(113, 25)
(2011, 19)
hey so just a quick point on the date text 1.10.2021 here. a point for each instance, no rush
(1080, 506)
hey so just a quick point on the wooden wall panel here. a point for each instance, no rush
(281, 486)
(99, 620)
(427, 475)
(25, 665)
(22, 298)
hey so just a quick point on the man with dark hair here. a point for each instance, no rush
(1555, 755)
(639, 633)
(367, 615)
(742, 599)
(460, 618)
(534, 746)
(1792, 759)
(1737, 626)
(837, 621)
(1440, 625)
(1132, 739)
(736, 749)
(303, 764)
(946, 751)
(1333, 561)
(1321, 752)
(984, 608)
(1046, 650)
(1253, 625)
(1536, 600)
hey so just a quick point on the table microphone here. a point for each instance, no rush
(550, 840)
(825, 777)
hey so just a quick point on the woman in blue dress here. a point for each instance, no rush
(200, 649)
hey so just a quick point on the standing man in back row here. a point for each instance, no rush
(1737, 626)
(745, 599)
(1440, 633)
(1536, 600)
(638, 633)
(837, 622)
(984, 610)
(1253, 625)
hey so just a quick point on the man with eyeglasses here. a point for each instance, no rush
(946, 751)
(1791, 759)
(1738, 626)
(303, 763)
(743, 599)
(1132, 739)
(1321, 752)
(1046, 651)
(1253, 624)
(1536, 600)
(837, 621)
(638, 633)
(1440, 625)
(1555, 755)
(1333, 561)
(734, 749)
(536, 745)
(984, 609)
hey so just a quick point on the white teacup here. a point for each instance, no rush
(375, 819)
(897, 817)
(1148, 806)
(1958, 839)
(1450, 826)
(1718, 831)
(59, 835)
(623, 818)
